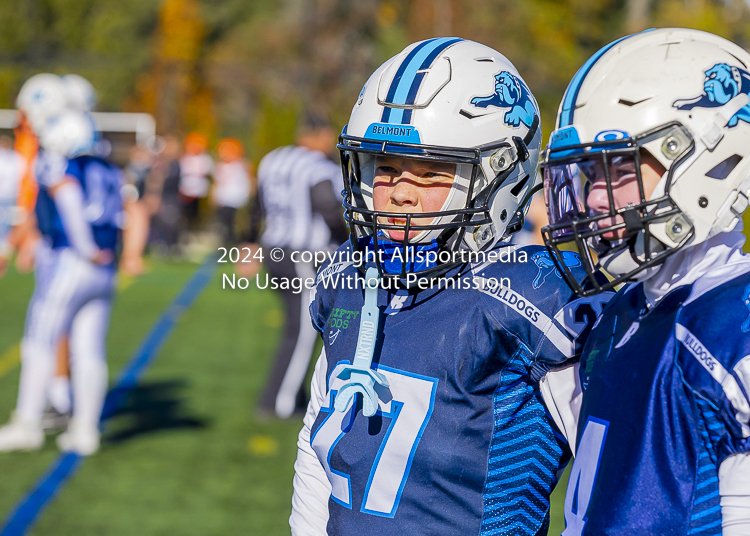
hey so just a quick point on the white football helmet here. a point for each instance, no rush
(677, 95)
(446, 100)
(80, 93)
(41, 97)
(69, 134)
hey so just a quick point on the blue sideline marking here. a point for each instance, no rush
(28, 509)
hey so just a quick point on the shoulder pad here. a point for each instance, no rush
(713, 334)
(538, 307)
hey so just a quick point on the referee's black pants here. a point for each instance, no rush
(284, 393)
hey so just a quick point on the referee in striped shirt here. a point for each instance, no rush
(297, 208)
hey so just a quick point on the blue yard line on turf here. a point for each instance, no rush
(45, 490)
(27, 511)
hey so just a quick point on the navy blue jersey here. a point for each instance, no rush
(100, 182)
(665, 402)
(462, 443)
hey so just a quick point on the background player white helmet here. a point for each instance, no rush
(445, 100)
(677, 95)
(69, 134)
(41, 97)
(80, 93)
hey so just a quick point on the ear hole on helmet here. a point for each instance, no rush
(518, 188)
(722, 170)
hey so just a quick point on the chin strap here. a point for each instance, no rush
(360, 377)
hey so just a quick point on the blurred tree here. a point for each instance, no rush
(637, 15)
(99, 39)
(549, 40)
(274, 126)
(232, 67)
(432, 18)
(173, 89)
(297, 55)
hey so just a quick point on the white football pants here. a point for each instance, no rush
(74, 296)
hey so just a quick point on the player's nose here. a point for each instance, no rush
(598, 198)
(405, 193)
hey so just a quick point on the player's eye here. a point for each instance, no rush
(589, 171)
(386, 170)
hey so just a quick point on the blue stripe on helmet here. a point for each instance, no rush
(414, 89)
(398, 76)
(571, 94)
(405, 84)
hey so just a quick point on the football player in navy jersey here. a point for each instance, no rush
(446, 387)
(650, 168)
(78, 210)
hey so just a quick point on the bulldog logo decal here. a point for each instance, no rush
(511, 93)
(723, 83)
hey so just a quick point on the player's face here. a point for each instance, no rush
(625, 189)
(407, 186)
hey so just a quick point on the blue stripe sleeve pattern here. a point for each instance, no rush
(524, 457)
(705, 519)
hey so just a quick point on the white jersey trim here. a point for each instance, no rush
(715, 279)
(734, 488)
(530, 312)
(562, 394)
(719, 373)
(311, 486)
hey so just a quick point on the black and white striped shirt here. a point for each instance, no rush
(298, 200)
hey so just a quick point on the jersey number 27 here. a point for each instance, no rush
(409, 410)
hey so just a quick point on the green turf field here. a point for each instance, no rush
(186, 455)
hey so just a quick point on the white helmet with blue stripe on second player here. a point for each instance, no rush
(46, 95)
(650, 154)
(69, 134)
(41, 97)
(80, 93)
(444, 100)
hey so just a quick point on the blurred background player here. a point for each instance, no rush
(165, 198)
(78, 208)
(42, 97)
(138, 210)
(196, 166)
(25, 234)
(12, 169)
(299, 208)
(139, 166)
(232, 186)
